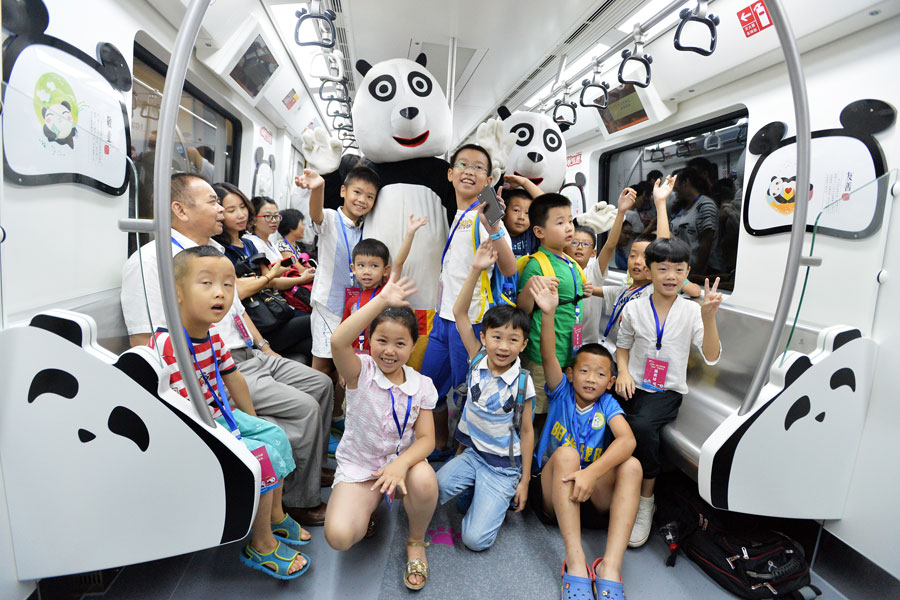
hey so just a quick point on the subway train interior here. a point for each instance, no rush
(114, 486)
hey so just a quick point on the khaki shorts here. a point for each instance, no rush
(537, 376)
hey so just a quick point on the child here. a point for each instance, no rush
(518, 200)
(205, 284)
(654, 342)
(496, 455)
(551, 221)
(389, 428)
(445, 359)
(339, 231)
(579, 466)
(372, 267)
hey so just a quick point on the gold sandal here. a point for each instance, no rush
(416, 567)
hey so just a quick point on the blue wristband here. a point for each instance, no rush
(498, 235)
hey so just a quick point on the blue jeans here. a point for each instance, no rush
(494, 488)
(444, 343)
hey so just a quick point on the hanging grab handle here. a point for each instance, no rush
(331, 65)
(559, 111)
(596, 102)
(334, 90)
(712, 142)
(698, 16)
(684, 149)
(638, 56)
(342, 110)
(326, 18)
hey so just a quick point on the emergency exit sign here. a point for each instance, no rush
(754, 18)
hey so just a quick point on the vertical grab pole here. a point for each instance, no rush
(798, 229)
(181, 54)
(451, 78)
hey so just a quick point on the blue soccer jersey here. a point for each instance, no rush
(567, 425)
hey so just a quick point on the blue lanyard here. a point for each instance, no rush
(581, 442)
(340, 219)
(400, 430)
(244, 250)
(617, 310)
(222, 402)
(362, 336)
(174, 241)
(291, 246)
(575, 278)
(453, 231)
(659, 328)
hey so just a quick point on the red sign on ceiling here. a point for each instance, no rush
(755, 18)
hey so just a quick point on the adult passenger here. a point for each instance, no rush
(287, 393)
(695, 218)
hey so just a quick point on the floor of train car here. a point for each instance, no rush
(523, 563)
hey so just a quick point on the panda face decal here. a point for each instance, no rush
(404, 111)
(540, 150)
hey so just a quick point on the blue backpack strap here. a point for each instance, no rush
(518, 409)
(463, 393)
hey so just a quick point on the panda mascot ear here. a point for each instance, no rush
(422, 59)
(503, 112)
(363, 67)
(564, 127)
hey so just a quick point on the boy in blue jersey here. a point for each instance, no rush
(581, 474)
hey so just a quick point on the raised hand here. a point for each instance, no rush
(661, 190)
(627, 199)
(545, 295)
(493, 137)
(512, 180)
(396, 291)
(485, 256)
(711, 299)
(322, 151)
(310, 180)
(415, 224)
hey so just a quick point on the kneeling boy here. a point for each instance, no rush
(581, 474)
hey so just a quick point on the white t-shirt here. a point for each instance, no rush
(333, 271)
(458, 263)
(135, 303)
(593, 306)
(683, 327)
(613, 294)
(265, 246)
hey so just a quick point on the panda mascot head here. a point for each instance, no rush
(540, 150)
(400, 111)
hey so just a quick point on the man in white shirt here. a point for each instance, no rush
(293, 396)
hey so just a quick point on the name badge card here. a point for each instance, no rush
(655, 374)
(268, 479)
(577, 336)
(351, 293)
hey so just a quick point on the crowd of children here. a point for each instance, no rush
(556, 408)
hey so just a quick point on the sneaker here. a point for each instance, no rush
(332, 445)
(643, 522)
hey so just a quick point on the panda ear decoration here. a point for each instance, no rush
(28, 17)
(563, 127)
(766, 140)
(258, 155)
(363, 67)
(867, 117)
(503, 112)
(421, 59)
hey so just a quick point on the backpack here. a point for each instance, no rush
(521, 382)
(547, 271)
(500, 289)
(731, 548)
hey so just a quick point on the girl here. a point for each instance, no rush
(389, 428)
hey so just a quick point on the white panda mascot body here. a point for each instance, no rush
(402, 122)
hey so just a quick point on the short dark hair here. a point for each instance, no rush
(644, 237)
(401, 314)
(364, 174)
(258, 203)
(505, 314)
(597, 349)
(509, 193)
(667, 250)
(537, 212)
(372, 247)
(184, 258)
(179, 185)
(696, 178)
(653, 176)
(588, 231)
(290, 218)
(476, 148)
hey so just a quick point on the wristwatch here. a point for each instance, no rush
(498, 235)
(263, 344)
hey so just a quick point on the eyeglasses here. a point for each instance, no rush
(270, 218)
(464, 167)
(576, 244)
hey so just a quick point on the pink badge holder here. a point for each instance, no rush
(268, 479)
(655, 375)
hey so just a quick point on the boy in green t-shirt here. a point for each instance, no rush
(551, 221)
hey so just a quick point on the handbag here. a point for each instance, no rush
(267, 308)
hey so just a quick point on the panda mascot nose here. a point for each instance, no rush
(409, 112)
(535, 156)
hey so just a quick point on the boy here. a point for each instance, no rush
(445, 359)
(496, 455)
(205, 285)
(371, 267)
(654, 342)
(578, 465)
(339, 231)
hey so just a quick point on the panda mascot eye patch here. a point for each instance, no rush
(383, 88)
(420, 84)
(523, 132)
(552, 140)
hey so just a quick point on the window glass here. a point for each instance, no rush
(704, 210)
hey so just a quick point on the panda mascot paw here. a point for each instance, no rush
(493, 137)
(322, 152)
(599, 217)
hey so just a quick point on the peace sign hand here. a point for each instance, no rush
(711, 299)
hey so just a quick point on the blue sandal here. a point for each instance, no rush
(273, 563)
(606, 589)
(288, 530)
(577, 588)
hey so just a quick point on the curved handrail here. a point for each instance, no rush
(798, 229)
(162, 196)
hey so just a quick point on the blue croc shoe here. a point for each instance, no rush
(289, 531)
(332, 445)
(576, 588)
(606, 589)
(276, 563)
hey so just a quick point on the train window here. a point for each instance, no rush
(207, 138)
(704, 209)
